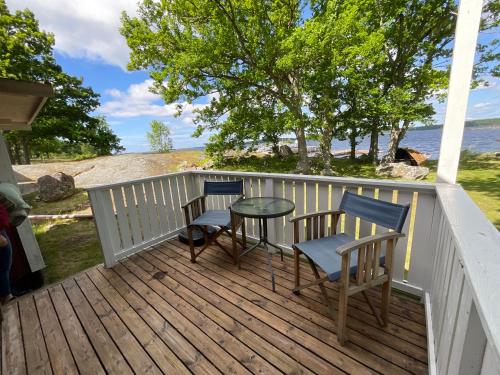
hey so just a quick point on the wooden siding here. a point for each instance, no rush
(156, 312)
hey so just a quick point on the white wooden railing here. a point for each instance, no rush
(450, 256)
(134, 215)
(463, 303)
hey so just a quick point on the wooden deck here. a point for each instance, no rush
(158, 313)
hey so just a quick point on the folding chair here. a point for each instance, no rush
(198, 217)
(368, 261)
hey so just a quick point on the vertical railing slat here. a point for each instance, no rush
(176, 203)
(423, 251)
(404, 197)
(160, 205)
(107, 227)
(288, 230)
(151, 208)
(143, 212)
(450, 316)
(121, 214)
(132, 214)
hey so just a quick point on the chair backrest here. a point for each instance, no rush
(223, 188)
(387, 214)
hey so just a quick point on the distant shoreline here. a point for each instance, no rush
(483, 123)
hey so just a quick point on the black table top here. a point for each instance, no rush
(263, 207)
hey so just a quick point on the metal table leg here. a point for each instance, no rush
(266, 244)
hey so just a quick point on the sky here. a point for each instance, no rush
(88, 45)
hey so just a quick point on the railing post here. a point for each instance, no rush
(269, 192)
(105, 222)
(469, 17)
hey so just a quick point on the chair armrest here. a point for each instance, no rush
(191, 201)
(354, 245)
(315, 214)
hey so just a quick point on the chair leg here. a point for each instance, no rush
(191, 244)
(243, 233)
(235, 245)
(372, 308)
(386, 299)
(321, 285)
(296, 257)
(342, 315)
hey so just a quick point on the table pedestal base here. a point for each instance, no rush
(266, 244)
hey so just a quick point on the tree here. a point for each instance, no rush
(159, 137)
(245, 126)
(487, 65)
(26, 54)
(195, 48)
(417, 37)
(101, 138)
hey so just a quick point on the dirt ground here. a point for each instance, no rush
(110, 169)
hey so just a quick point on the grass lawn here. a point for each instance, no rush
(71, 246)
(68, 246)
(478, 174)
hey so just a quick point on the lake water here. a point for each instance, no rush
(476, 139)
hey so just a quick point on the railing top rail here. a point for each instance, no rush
(418, 186)
(478, 246)
(131, 182)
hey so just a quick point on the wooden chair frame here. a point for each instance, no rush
(195, 208)
(369, 272)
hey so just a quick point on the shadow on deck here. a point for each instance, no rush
(156, 312)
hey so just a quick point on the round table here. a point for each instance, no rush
(263, 208)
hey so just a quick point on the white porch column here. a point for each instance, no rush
(28, 239)
(469, 16)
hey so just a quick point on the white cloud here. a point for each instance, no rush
(492, 83)
(137, 100)
(83, 29)
(482, 105)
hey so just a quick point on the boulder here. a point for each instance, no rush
(55, 187)
(285, 151)
(209, 164)
(403, 170)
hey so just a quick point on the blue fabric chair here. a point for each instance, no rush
(366, 260)
(198, 217)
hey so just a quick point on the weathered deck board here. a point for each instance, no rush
(157, 312)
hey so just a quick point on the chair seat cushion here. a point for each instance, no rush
(323, 252)
(219, 218)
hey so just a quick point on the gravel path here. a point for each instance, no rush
(111, 169)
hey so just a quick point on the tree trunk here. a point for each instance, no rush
(9, 150)
(295, 106)
(352, 140)
(16, 153)
(373, 152)
(397, 134)
(303, 164)
(26, 150)
(325, 146)
(275, 149)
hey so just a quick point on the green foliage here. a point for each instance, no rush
(159, 137)
(65, 120)
(489, 57)
(236, 49)
(352, 68)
